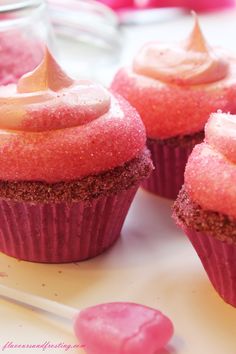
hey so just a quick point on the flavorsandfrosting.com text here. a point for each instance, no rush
(7, 346)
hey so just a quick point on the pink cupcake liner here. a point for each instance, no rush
(62, 232)
(219, 260)
(169, 161)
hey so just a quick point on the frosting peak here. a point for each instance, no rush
(196, 41)
(55, 129)
(192, 62)
(35, 104)
(48, 75)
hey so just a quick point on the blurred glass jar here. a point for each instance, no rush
(24, 30)
(89, 38)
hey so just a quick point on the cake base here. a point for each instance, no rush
(68, 221)
(213, 235)
(62, 232)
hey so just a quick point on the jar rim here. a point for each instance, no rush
(14, 5)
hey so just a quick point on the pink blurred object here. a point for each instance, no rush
(118, 4)
(18, 56)
(197, 5)
(24, 30)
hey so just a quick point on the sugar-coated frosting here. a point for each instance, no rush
(210, 175)
(55, 129)
(176, 86)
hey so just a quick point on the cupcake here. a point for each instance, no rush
(72, 156)
(206, 206)
(175, 87)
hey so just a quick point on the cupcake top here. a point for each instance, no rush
(53, 128)
(210, 175)
(175, 86)
(192, 62)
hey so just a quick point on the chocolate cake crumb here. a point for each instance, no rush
(181, 140)
(85, 189)
(191, 215)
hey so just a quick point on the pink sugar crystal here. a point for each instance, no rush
(71, 153)
(210, 180)
(220, 133)
(122, 328)
(172, 110)
(56, 129)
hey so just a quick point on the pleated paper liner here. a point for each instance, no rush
(169, 161)
(219, 260)
(62, 232)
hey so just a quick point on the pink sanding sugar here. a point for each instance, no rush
(102, 144)
(19, 54)
(173, 110)
(210, 173)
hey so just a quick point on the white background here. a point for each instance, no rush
(153, 263)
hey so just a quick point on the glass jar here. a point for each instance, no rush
(24, 30)
(89, 38)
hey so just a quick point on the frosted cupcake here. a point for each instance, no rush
(175, 87)
(72, 156)
(206, 206)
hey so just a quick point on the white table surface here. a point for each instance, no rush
(153, 263)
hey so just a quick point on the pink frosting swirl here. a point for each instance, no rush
(55, 129)
(175, 87)
(210, 175)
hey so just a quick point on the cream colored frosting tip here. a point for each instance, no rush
(47, 76)
(196, 40)
(192, 62)
(55, 129)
